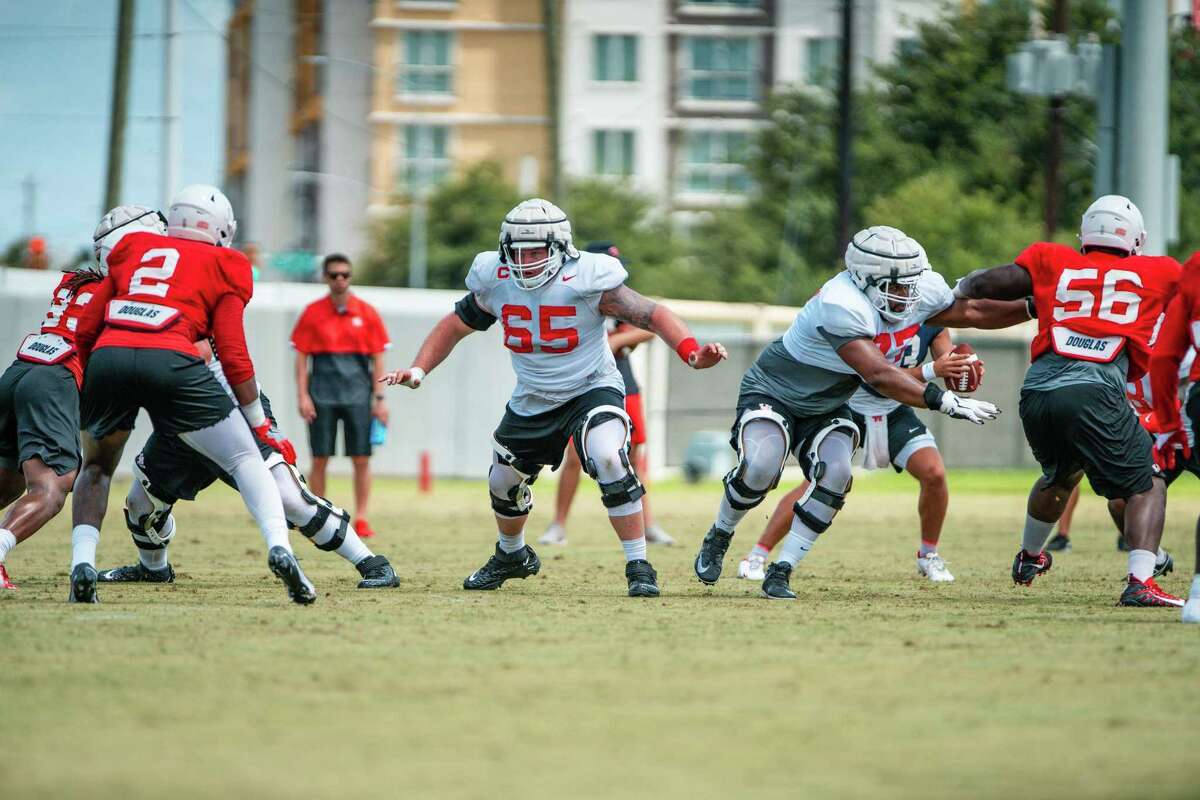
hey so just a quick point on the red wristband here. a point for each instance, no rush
(686, 348)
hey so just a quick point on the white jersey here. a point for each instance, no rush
(905, 348)
(555, 333)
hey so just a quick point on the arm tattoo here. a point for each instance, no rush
(628, 306)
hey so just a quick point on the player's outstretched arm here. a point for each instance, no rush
(891, 381)
(989, 298)
(449, 331)
(627, 305)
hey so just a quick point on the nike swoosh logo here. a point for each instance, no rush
(701, 566)
(568, 277)
(473, 575)
(913, 430)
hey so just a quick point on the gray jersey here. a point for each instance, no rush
(555, 334)
(803, 368)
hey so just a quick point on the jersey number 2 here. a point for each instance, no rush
(1110, 296)
(162, 272)
(520, 340)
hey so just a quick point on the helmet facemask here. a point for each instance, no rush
(894, 298)
(532, 264)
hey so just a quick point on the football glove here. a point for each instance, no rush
(273, 439)
(977, 411)
(1167, 444)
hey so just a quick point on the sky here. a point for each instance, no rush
(56, 59)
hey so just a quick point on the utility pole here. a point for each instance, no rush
(550, 22)
(29, 205)
(1054, 145)
(1142, 125)
(116, 130)
(171, 111)
(845, 131)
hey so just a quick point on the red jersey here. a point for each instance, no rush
(55, 344)
(166, 293)
(1094, 306)
(1179, 333)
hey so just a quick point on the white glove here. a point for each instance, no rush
(415, 376)
(977, 411)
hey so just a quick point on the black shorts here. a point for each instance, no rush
(906, 434)
(356, 430)
(177, 472)
(177, 390)
(39, 416)
(539, 440)
(1089, 426)
(800, 429)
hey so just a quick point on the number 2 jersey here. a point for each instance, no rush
(166, 293)
(55, 343)
(1097, 314)
(555, 333)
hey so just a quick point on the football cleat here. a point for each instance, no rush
(555, 534)
(5, 583)
(1058, 543)
(502, 566)
(83, 584)
(1027, 566)
(712, 552)
(1165, 566)
(933, 567)
(1147, 593)
(643, 580)
(656, 535)
(287, 569)
(377, 573)
(775, 585)
(137, 573)
(753, 567)
(1191, 610)
(363, 528)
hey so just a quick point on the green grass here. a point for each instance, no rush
(875, 684)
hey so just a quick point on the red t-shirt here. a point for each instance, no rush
(1092, 306)
(1180, 330)
(55, 344)
(323, 329)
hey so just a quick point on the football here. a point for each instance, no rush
(971, 381)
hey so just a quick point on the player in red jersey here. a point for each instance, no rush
(1097, 308)
(162, 294)
(1179, 334)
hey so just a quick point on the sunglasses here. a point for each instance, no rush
(333, 276)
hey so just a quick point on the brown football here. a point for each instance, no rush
(971, 381)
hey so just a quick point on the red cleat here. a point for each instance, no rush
(5, 583)
(1147, 593)
(1026, 566)
(363, 528)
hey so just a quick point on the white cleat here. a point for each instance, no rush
(555, 534)
(933, 567)
(753, 568)
(656, 535)
(1191, 610)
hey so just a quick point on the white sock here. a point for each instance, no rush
(635, 549)
(7, 542)
(353, 549)
(1194, 594)
(153, 559)
(1035, 535)
(760, 551)
(728, 517)
(799, 541)
(511, 544)
(927, 549)
(1161, 558)
(84, 539)
(1141, 564)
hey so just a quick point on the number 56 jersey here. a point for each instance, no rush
(555, 333)
(1097, 306)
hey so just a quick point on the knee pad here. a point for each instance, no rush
(829, 482)
(508, 483)
(738, 493)
(617, 489)
(147, 515)
(322, 511)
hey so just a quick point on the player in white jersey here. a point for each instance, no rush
(793, 398)
(551, 300)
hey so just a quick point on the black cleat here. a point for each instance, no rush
(1168, 565)
(1058, 543)
(643, 580)
(712, 553)
(1026, 567)
(502, 566)
(287, 569)
(377, 573)
(83, 584)
(137, 573)
(776, 586)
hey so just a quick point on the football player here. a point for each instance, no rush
(551, 301)
(892, 434)
(1097, 308)
(167, 470)
(160, 296)
(793, 398)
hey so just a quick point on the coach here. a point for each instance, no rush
(344, 338)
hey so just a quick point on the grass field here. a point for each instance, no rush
(875, 684)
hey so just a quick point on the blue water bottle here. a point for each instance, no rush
(378, 432)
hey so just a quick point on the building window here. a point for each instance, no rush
(424, 155)
(615, 57)
(720, 68)
(613, 152)
(712, 162)
(425, 64)
(822, 58)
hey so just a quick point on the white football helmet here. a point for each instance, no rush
(535, 223)
(120, 221)
(203, 213)
(886, 263)
(1113, 221)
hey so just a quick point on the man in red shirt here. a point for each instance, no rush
(344, 338)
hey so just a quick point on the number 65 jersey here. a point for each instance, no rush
(1097, 306)
(555, 333)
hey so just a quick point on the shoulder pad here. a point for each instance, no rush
(598, 272)
(238, 272)
(485, 271)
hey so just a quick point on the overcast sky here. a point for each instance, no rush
(56, 59)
